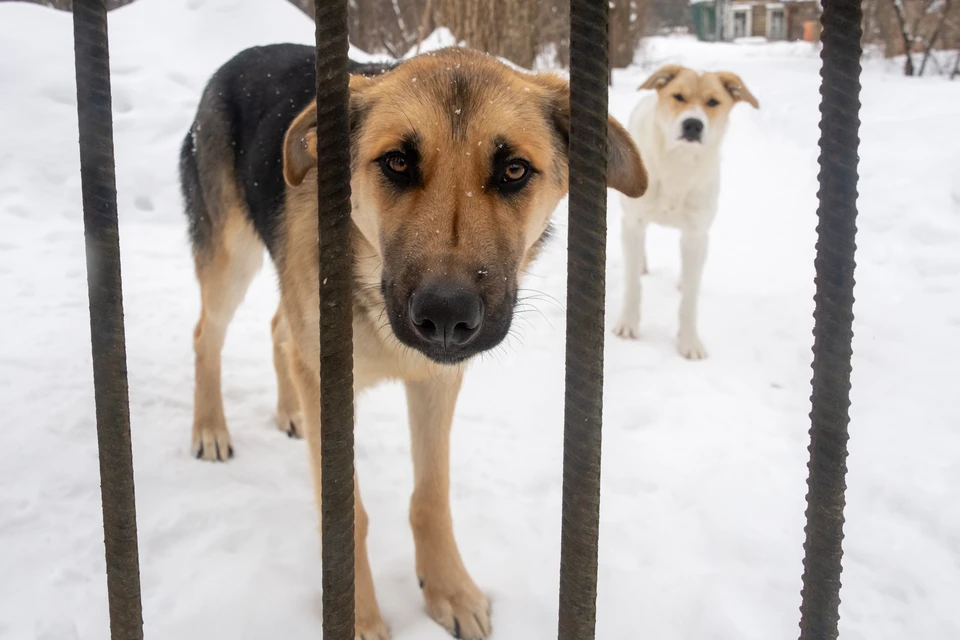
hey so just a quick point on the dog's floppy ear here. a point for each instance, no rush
(300, 141)
(625, 170)
(661, 77)
(735, 87)
(300, 146)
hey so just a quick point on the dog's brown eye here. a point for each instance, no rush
(679, 97)
(712, 102)
(401, 167)
(515, 171)
(396, 163)
(511, 173)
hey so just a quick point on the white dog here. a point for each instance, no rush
(678, 130)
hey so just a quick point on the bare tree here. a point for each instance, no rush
(67, 5)
(627, 26)
(504, 28)
(426, 19)
(935, 35)
(518, 30)
(908, 38)
(307, 6)
(909, 27)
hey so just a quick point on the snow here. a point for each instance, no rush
(438, 39)
(704, 463)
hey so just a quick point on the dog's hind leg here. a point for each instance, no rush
(289, 414)
(224, 270)
(634, 237)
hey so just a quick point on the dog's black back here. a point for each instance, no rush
(238, 131)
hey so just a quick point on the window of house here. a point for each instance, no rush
(776, 24)
(740, 24)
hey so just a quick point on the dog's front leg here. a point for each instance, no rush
(369, 622)
(452, 598)
(693, 254)
(634, 265)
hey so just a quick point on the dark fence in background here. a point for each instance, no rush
(589, 72)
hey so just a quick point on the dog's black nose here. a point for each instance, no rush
(446, 313)
(692, 129)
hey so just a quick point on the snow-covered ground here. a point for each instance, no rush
(704, 466)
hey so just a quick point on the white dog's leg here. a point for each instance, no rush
(693, 252)
(634, 265)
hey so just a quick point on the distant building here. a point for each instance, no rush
(729, 20)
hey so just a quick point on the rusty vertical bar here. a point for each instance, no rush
(586, 260)
(107, 341)
(833, 318)
(336, 320)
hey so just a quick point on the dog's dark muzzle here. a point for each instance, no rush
(450, 321)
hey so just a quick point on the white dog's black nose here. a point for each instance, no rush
(692, 129)
(446, 313)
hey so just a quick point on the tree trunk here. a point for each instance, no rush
(425, 21)
(307, 6)
(934, 36)
(904, 33)
(67, 5)
(627, 25)
(503, 28)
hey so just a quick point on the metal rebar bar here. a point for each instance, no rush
(833, 318)
(99, 189)
(336, 320)
(586, 260)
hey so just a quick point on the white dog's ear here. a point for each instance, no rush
(661, 78)
(737, 90)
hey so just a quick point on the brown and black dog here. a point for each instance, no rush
(458, 162)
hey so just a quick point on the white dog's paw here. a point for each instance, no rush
(690, 347)
(627, 330)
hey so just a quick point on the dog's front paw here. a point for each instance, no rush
(290, 423)
(462, 610)
(371, 629)
(211, 441)
(627, 330)
(690, 347)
